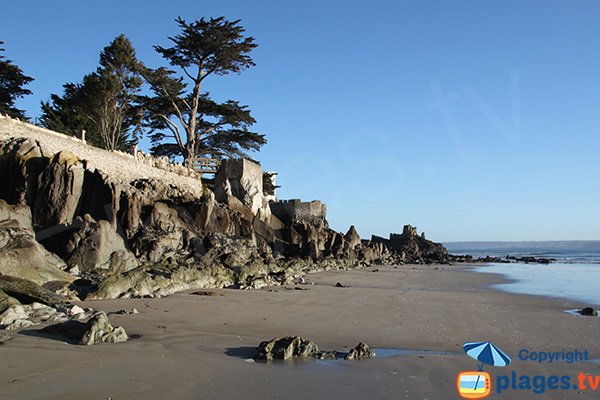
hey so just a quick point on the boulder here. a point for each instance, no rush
(15, 317)
(285, 348)
(28, 292)
(21, 316)
(99, 330)
(360, 352)
(588, 311)
(96, 330)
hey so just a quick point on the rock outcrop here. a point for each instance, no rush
(28, 292)
(20, 254)
(410, 247)
(63, 218)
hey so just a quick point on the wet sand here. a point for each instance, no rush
(196, 347)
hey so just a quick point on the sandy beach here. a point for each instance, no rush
(197, 347)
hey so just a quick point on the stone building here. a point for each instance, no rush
(290, 211)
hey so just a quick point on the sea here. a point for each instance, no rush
(575, 274)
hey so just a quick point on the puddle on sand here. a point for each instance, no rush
(385, 353)
(338, 362)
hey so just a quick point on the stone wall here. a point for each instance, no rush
(123, 163)
(289, 211)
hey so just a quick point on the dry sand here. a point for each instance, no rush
(195, 347)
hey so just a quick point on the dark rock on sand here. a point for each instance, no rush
(285, 348)
(588, 311)
(96, 330)
(290, 347)
(360, 352)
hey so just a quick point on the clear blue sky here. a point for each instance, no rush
(473, 120)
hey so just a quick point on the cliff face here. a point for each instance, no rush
(63, 218)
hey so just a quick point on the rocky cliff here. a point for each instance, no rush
(87, 229)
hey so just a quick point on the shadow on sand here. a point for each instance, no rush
(244, 352)
(69, 332)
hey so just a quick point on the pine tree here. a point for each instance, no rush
(12, 82)
(180, 110)
(104, 103)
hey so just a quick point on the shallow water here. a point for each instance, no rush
(572, 281)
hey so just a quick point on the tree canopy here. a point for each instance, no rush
(104, 103)
(12, 86)
(181, 111)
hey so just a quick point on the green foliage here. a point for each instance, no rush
(104, 103)
(179, 110)
(268, 186)
(67, 114)
(12, 82)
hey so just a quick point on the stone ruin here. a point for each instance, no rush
(242, 180)
(294, 211)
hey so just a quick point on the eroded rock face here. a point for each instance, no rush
(97, 246)
(20, 254)
(59, 189)
(149, 237)
(286, 348)
(21, 162)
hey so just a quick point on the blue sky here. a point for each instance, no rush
(473, 120)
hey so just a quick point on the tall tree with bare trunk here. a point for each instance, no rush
(181, 111)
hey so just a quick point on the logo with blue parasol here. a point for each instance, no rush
(477, 385)
(486, 353)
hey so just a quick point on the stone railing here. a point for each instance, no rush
(165, 164)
